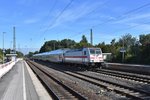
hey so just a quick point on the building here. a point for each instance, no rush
(107, 56)
(11, 57)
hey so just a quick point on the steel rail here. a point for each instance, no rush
(70, 90)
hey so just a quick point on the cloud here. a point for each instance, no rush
(31, 21)
(75, 13)
(140, 22)
(136, 17)
(140, 26)
(27, 2)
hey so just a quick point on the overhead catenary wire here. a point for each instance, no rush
(109, 20)
(48, 15)
(129, 28)
(101, 5)
(49, 12)
(134, 26)
(124, 14)
(59, 15)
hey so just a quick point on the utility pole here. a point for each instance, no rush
(3, 48)
(10, 45)
(14, 40)
(91, 37)
(54, 45)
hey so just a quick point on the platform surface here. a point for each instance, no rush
(17, 84)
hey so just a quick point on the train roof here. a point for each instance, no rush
(74, 50)
(59, 51)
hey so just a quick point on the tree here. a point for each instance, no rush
(114, 49)
(145, 49)
(135, 52)
(54, 45)
(67, 43)
(7, 51)
(19, 54)
(84, 40)
(30, 54)
(49, 45)
(83, 43)
(105, 48)
(144, 39)
(1, 55)
(36, 52)
(113, 42)
(127, 40)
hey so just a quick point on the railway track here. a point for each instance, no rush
(55, 87)
(125, 75)
(128, 91)
(125, 90)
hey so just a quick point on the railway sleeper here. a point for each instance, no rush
(146, 98)
(117, 88)
(71, 92)
(128, 74)
(136, 79)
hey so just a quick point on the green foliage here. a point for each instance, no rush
(84, 40)
(30, 54)
(144, 39)
(105, 48)
(1, 55)
(7, 51)
(127, 40)
(19, 54)
(53, 45)
(36, 52)
(145, 51)
(83, 43)
(49, 45)
(65, 43)
(136, 51)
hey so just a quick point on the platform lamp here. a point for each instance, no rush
(3, 47)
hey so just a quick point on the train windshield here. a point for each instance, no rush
(95, 51)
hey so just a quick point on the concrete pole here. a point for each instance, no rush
(91, 37)
(14, 40)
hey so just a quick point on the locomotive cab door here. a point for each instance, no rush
(84, 56)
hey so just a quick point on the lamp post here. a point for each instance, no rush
(3, 47)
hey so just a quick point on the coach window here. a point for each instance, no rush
(84, 52)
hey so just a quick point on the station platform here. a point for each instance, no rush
(142, 69)
(20, 83)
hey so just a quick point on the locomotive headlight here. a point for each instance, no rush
(92, 60)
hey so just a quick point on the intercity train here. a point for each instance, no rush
(86, 57)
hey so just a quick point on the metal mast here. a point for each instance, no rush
(91, 37)
(3, 48)
(14, 40)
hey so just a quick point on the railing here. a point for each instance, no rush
(5, 64)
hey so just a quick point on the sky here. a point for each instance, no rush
(37, 21)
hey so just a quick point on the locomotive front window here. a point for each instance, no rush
(95, 51)
(84, 52)
(92, 51)
(98, 52)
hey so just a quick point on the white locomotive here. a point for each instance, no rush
(89, 57)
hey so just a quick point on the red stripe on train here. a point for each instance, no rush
(75, 56)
